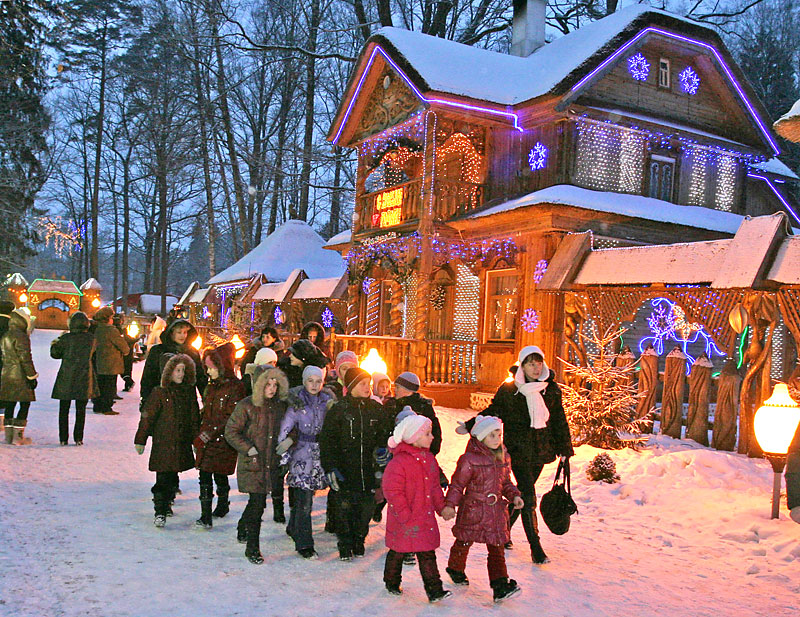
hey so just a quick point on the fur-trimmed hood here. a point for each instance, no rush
(296, 398)
(222, 358)
(174, 360)
(260, 378)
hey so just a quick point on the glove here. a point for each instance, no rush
(382, 456)
(139, 448)
(443, 481)
(252, 451)
(334, 477)
(204, 437)
(33, 383)
(284, 445)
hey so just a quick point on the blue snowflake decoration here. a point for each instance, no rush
(327, 318)
(530, 320)
(278, 315)
(538, 272)
(206, 313)
(639, 67)
(690, 81)
(367, 284)
(537, 157)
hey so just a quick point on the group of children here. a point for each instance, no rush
(347, 434)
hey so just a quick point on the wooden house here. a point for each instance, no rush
(474, 165)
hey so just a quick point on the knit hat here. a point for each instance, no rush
(409, 429)
(308, 353)
(404, 412)
(103, 314)
(408, 380)
(347, 356)
(312, 371)
(523, 355)
(481, 426)
(377, 378)
(353, 376)
(6, 307)
(265, 355)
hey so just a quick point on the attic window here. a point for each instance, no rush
(663, 73)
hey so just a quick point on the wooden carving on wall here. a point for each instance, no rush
(574, 318)
(724, 434)
(390, 103)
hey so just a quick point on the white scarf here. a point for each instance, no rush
(532, 391)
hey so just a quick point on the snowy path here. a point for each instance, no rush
(686, 533)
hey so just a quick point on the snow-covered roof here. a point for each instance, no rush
(777, 167)
(15, 280)
(49, 286)
(293, 245)
(343, 237)
(151, 303)
(786, 267)
(188, 293)
(502, 78)
(92, 284)
(312, 289)
(198, 296)
(636, 206)
(788, 125)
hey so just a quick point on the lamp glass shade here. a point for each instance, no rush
(197, 343)
(373, 363)
(776, 421)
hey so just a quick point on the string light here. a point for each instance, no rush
(460, 145)
(639, 67)
(610, 158)
(231, 290)
(366, 284)
(537, 157)
(410, 302)
(373, 293)
(467, 305)
(64, 237)
(726, 183)
(776, 370)
(690, 81)
(697, 180)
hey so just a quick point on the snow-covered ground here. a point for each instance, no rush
(685, 533)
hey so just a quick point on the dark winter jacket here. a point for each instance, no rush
(151, 373)
(304, 419)
(255, 422)
(528, 445)
(76, 379)
(353, 429)
(18, 369)
(411, 487)
(320, 342)
(294, 374)
(111, 349)
(171, 416)
(422, 406)
(481, 488)
(214, 454)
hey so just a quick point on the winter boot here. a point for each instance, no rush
(458, 577)
(253, 549)
(438, 594)
(9, 430)
(223, 504)
(395, 590)
(19, 433)
(504, 588)
(241, 531)
(277, 511)
(531, 525)
(160, 505)
(206, 495)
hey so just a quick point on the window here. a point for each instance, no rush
(501, 304)
(661, 172)
(663, 73)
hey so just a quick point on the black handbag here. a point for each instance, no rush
(557, 505)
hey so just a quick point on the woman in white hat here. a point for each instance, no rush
(536, 432)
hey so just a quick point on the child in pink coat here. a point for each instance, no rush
(481, 488)
(411, 487)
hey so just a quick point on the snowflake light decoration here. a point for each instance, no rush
(327, 318)
(690, 81)
(537, 157)
(367, 284)
(278, 315)
(639, 67)
(206, 313)
(538, 272)
(530, 320)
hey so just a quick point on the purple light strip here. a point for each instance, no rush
(777, 194)
(686, 39)
(378, 49)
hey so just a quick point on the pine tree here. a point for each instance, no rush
(600, 405)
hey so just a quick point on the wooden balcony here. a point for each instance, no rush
(454, 198)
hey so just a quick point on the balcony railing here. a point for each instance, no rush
(454, 198)
(452, 362)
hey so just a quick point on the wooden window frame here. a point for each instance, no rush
(487, 307)
(662, 74)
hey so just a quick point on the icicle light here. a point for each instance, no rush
(610, 158)
(373, 293)
(778, 338)
(726, 183)
(697, 181)
(410, 312)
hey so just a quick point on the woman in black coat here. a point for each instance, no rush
(76, 379)
(535, 431)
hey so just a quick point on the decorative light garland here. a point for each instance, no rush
(539, 270)
(530, 320)
(697, 180)
(232, 289)
(373, 293)
(537, 157)
(726, 183)
(466, 307)
(410, 306)
(327, 317)
(366, 284)
(690, 81)
(609, 157)
(65, 237)
(471, 161)
(278, 315)
(639, 67)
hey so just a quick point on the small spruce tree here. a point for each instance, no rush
(601, 402)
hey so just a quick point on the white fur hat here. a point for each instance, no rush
(482, 427)
(409, 429)
(265, 355)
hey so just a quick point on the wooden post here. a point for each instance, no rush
(396, 313)
(351, 327)
(625, 358)
(699, 394)
(672, 399)
(648, 384)
(724, 433)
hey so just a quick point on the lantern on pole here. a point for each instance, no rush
(774, 424)
(738, 318)
(133, 330)
(96, 303)
(23, 297)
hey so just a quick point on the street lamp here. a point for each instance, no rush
(774, 424)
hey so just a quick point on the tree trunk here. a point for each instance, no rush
(336, 196)
(98, 149)
(308, 134)
(126, 226)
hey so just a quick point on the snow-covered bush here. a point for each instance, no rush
(602, 469)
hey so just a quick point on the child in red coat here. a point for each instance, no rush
(480, 488)
(411, 487)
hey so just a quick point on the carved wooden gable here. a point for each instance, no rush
(677, 82)
(389, 103)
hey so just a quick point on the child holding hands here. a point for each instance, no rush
(480, 488)
(412, 490)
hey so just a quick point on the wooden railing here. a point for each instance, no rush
(410, 209)
(396, 352)
(454, 198)
(452, 362)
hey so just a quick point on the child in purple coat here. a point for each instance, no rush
(412, 490)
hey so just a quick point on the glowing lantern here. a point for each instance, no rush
(133, 330)
(775, 424)
(373, 363)
(23, 297)
(96, 303)
(197, 343)
(238, 345)
(738, 318)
